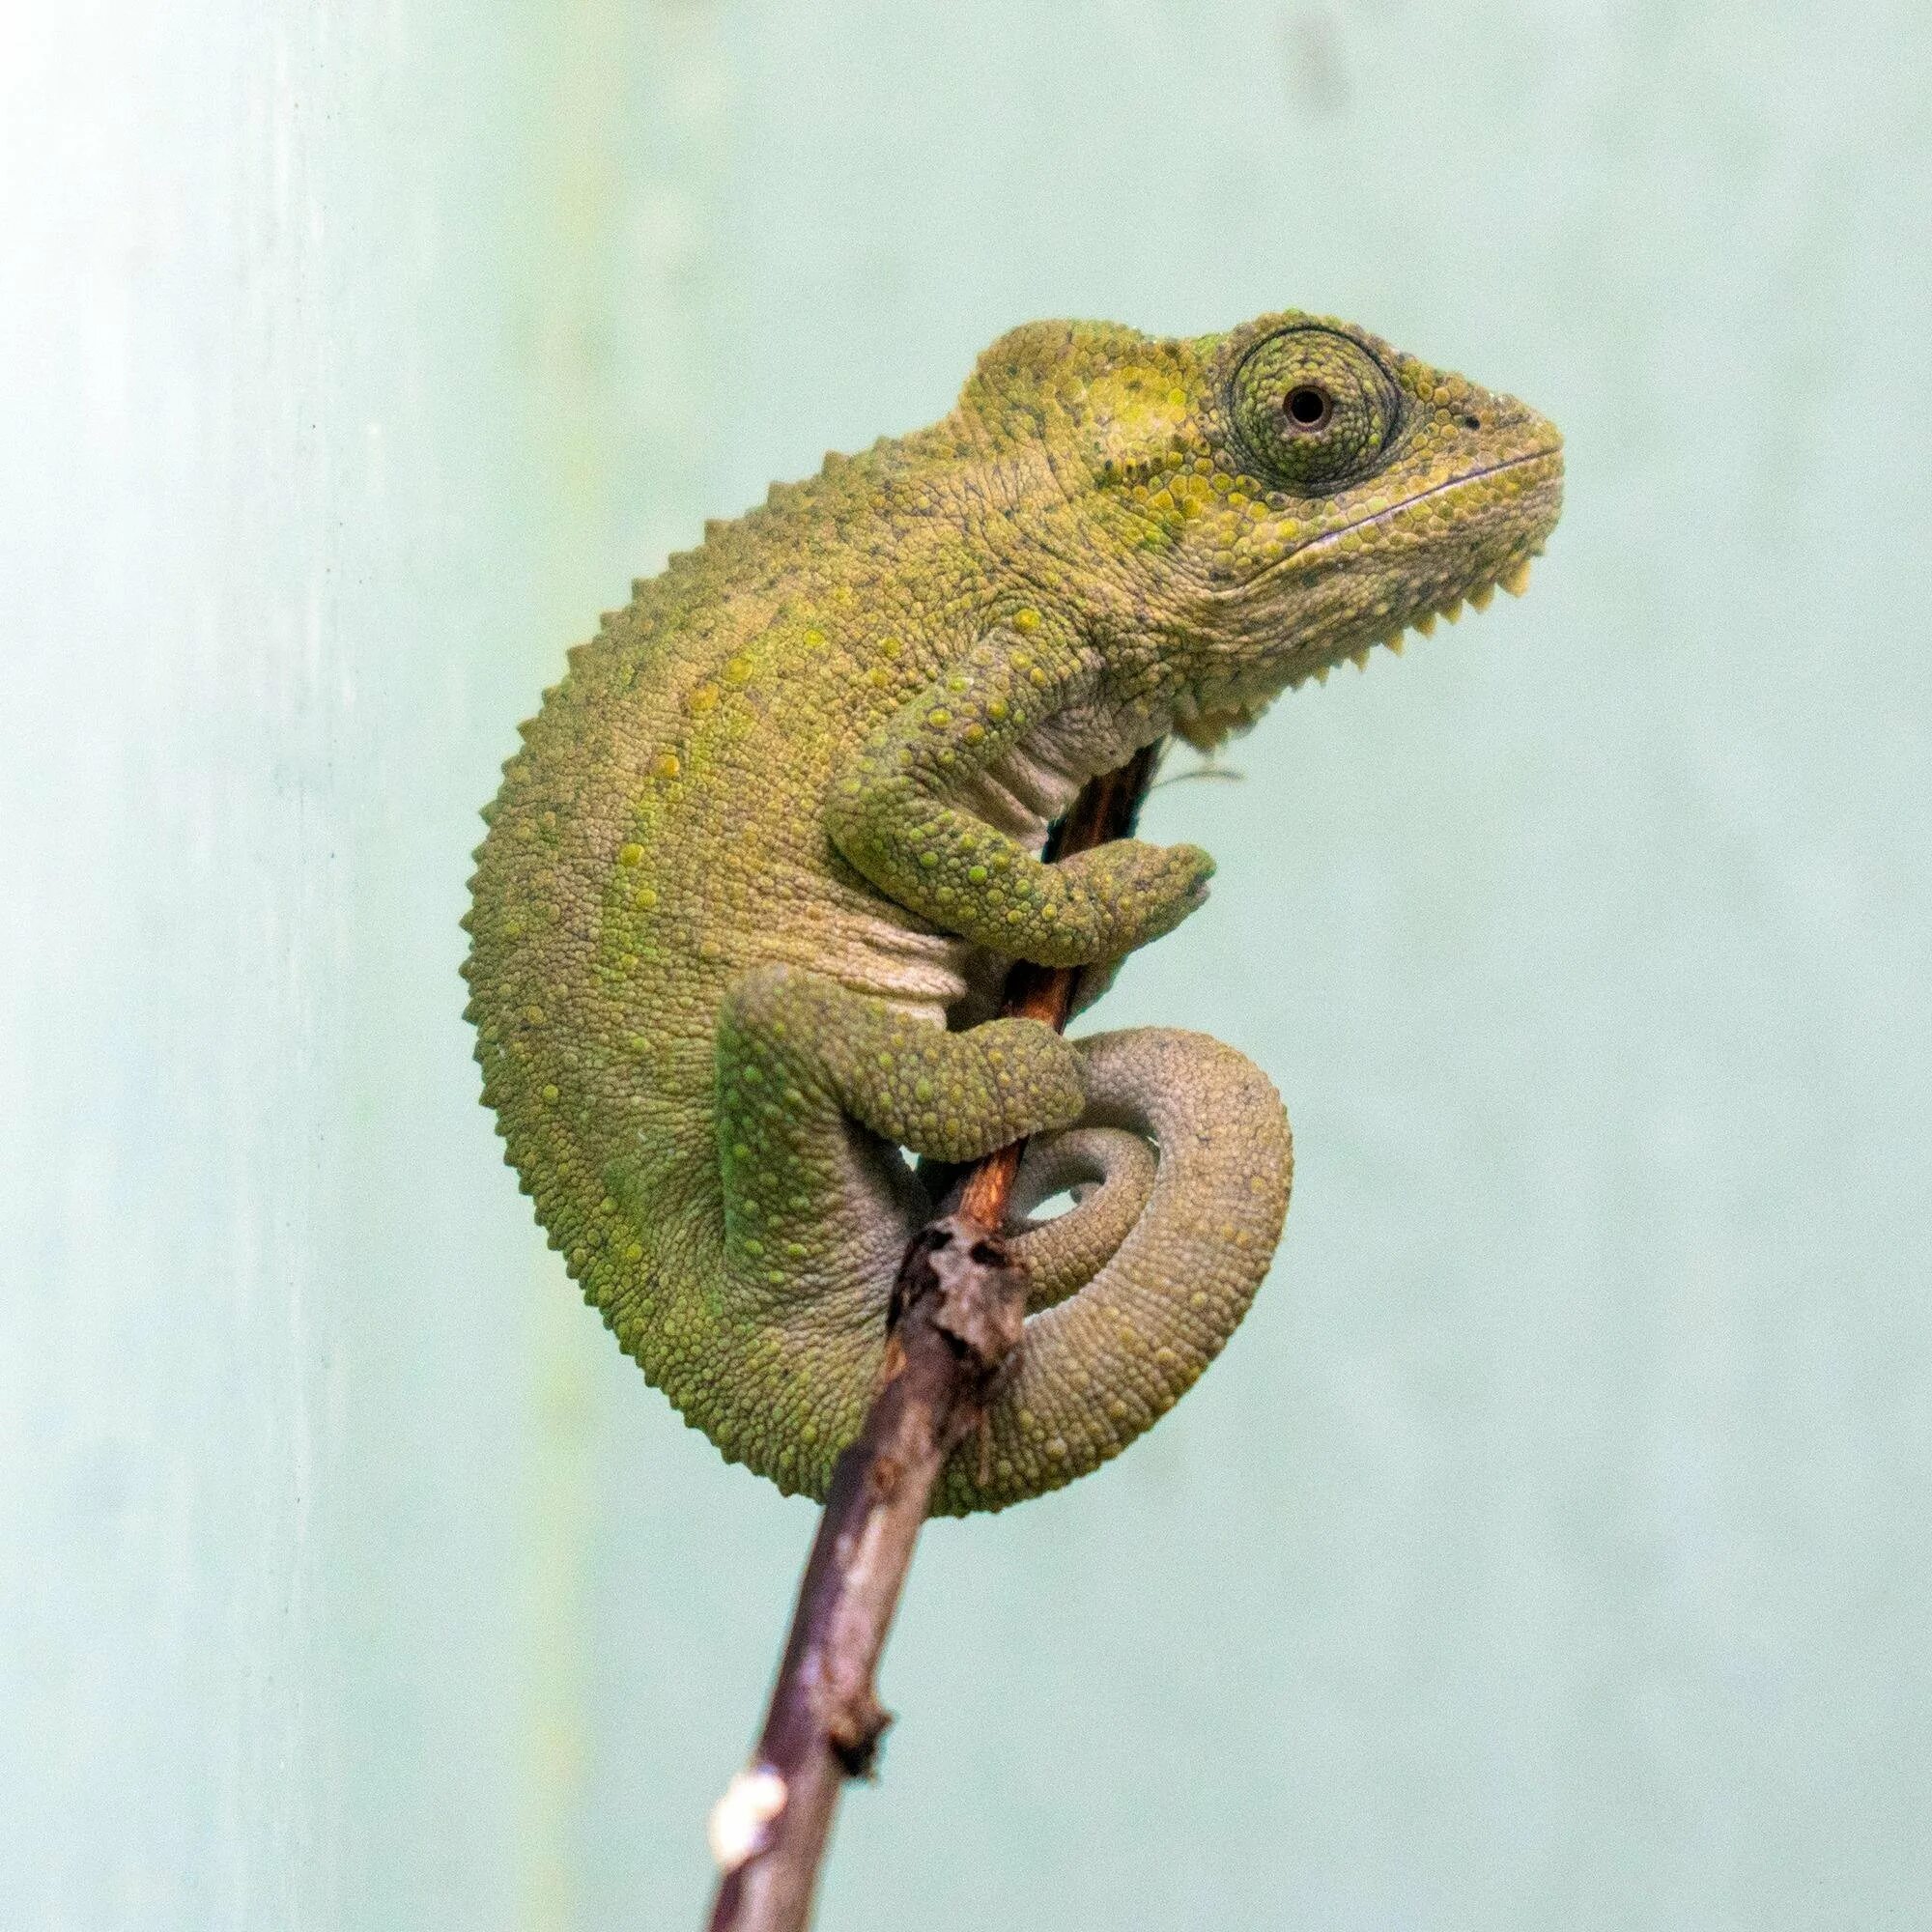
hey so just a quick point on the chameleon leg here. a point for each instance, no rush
(817, 1214)
(797, 1035)
(894, 812)
(1100, 1366)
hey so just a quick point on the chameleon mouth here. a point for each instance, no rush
(1547, 453)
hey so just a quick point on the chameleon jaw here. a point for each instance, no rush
(1515, 580)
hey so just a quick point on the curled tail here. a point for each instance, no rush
(1181, 1170)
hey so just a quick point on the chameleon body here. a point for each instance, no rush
(752, 883)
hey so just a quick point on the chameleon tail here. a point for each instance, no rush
(1101, 1361)
(1110, 1172)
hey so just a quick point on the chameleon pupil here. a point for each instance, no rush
(1308, 408)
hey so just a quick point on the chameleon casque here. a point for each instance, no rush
(752, 884)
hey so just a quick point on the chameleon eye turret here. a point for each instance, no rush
(1313, 410)
(773, 839)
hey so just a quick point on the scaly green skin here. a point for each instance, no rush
(752, 883)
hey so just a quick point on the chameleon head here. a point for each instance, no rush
(1292, 494)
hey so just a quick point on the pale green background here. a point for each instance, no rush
(1551, 1549)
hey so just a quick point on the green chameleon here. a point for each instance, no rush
(751, 887)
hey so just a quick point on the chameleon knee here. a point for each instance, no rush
(1101, 1365)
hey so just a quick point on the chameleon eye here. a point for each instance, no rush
(1314, 409)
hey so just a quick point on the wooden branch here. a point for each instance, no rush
(958, 1310)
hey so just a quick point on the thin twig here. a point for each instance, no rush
(959, 1310)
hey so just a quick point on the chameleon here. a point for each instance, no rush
(753, 881)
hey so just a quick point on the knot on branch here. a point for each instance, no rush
(854, 1724)
(959, 1279)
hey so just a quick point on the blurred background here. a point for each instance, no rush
(1550, 1546)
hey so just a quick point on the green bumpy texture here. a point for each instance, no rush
(753, 882)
